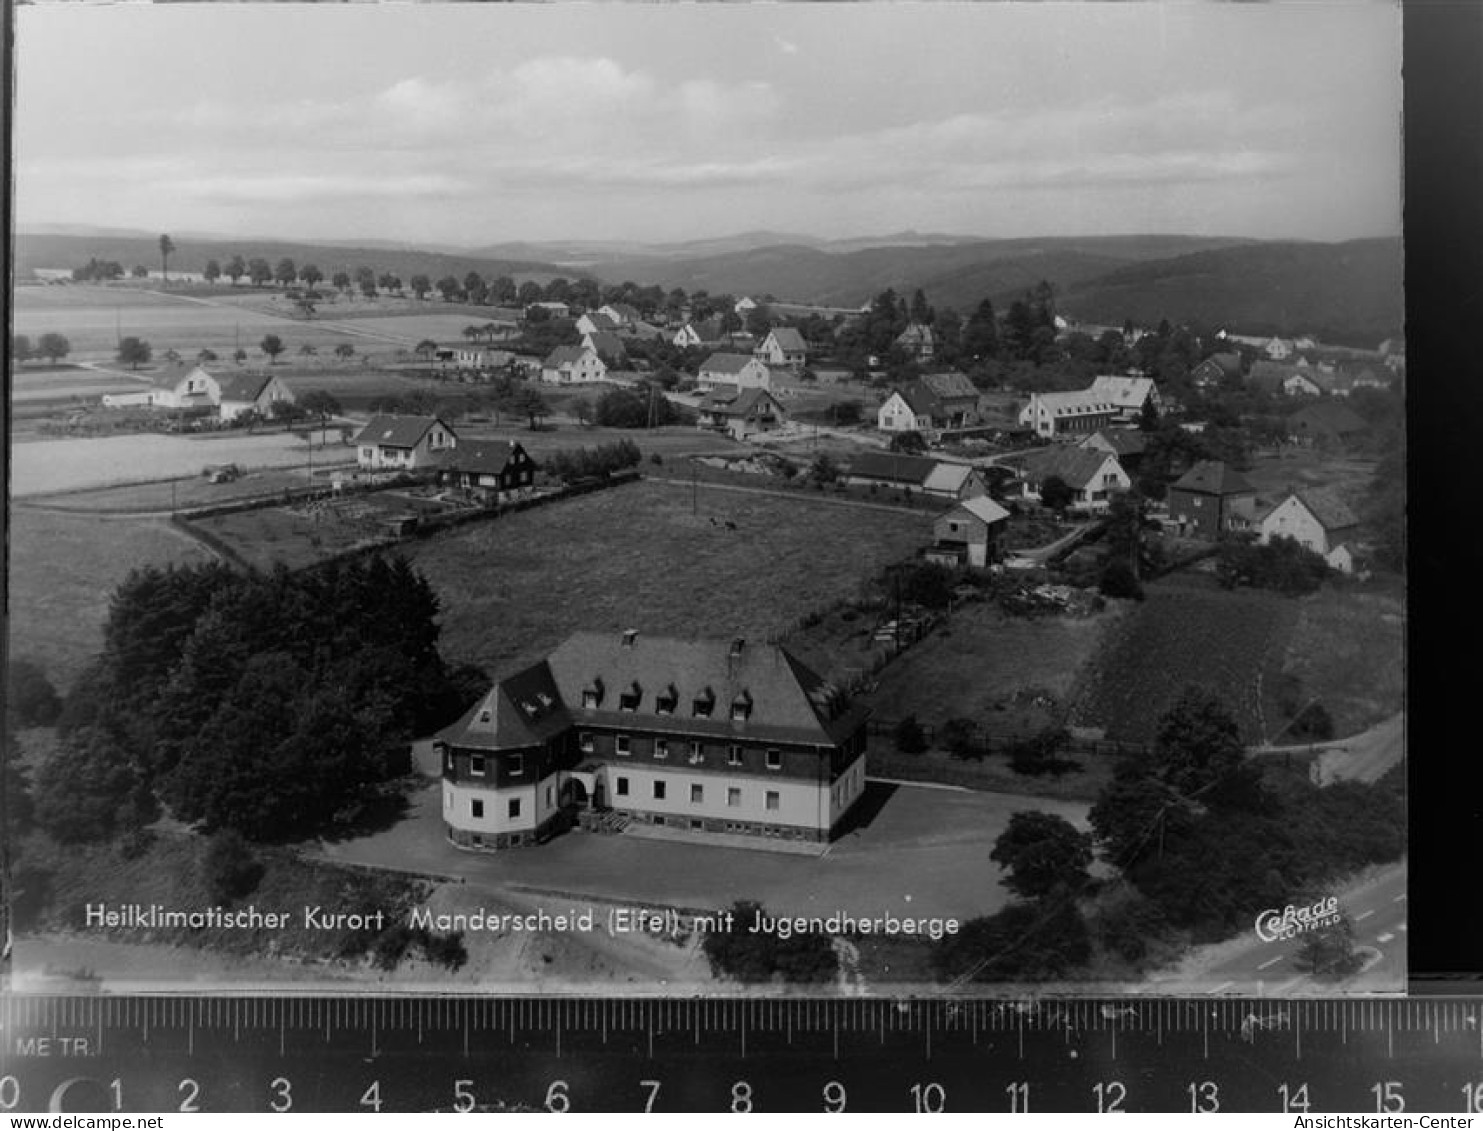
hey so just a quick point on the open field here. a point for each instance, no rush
(1348, 649)
(63, 570)
(44, 466)
(992, 668)
(638, 557)
(1231, 642)
(184, 494)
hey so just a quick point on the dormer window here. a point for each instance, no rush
(741, 707)
(628, 699)
(666, 701)
(592, 695)
(476, 765)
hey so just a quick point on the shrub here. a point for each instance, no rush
(1126, 928)
(1118, 580)
(30, 699)
(446, 950)
(739, 954)
(959, 738)
(1037, 755)
(230, 869)
(909, 737)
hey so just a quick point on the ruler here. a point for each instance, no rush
(242, 1054)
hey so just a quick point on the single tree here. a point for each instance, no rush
(310, 274)
(909, 442)
(134, 352)
(272, 345)
(1056, 493)
(529, 403)
(230, 868)
(206, 355)
(30, 698)
(53, 347)
(239, 356)
(1042, 852)
(307, 350)
(320, 403)
(344, 351)
(259, 271)
(425, 349)
(213, 271)
(236, 268)
(341, 281)
(286, 272)
(167, 248)
(140, 271)
(20, 348)
(420, 285)
(448, 287)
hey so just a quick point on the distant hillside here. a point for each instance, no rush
(1348, 293)
(34, 250)
(959, 273)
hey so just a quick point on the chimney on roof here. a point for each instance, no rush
(630, 637)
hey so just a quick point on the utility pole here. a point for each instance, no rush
(694, 493)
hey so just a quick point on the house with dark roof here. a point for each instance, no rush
(1210, 498)
(1094, 476)
(1326, 423)
(1316, 519)
(608, 346)
(739, 369)
(596, 322)
(740, 413)
(1216, 370)
(941, 479)
(403, 443)
(783, 347)
(1127, 444)
(239, 394)
(1072, 413)
(1285, 380)
(694, 333)
(1127, 395)
(916, 341)
(621, 314)
(969, 533)
(492, 471)
(935, 401)
(573, 365)
(705, 738)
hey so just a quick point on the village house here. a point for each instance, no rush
(704, 738)
(1073, 413)
(608, 346)
(554, 309)
(573, 365)
(737, 369)
(1094, 476)
(241, 394)
(1127, 444)
(936, 401)
(783, 347)
(1278, 349)
(1317, 520)
(596, 323)
(403, 443)
(969, 533)
(914, 475)
(1126, 395)
(1285, 380)
(740, 413)
(1216, 371)
(621, 314)
(699, 333)
(916, 342)
(493, 471)
(1211, 498)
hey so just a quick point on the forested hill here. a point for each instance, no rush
(1347, 293)
(48, 251)
(959, 274)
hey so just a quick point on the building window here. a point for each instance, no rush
(659, 790)
(629, 699)
(697, 753)
(517, 765)
(667, 701)
(774, 759)
(622, 787)
(589, 699)
(697, 794)
(741, 707)
(733, 755)
(476, 808)
(733, 798)
(773, 799)
(476, 765)
(585, 743)
(705, 704)
(621, 744)
(514, 807)
(661, 748)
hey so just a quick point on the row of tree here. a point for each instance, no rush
(51, 347)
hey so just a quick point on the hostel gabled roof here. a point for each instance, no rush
(788, 339)
(788, 701)
(892, 467)
(950, 385)
(1074, 466)
(397, 431)
(483, 457)
(729, 363)
(243, 386)
(1331, 511)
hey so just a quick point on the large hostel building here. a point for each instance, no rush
(701, 736)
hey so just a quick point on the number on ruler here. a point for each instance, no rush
(463, 1099)
(741, 1096)
(116, 1087)
(283, 1094)
(1204, 1097)
(653, 1086)
(1388, 1096)
(10, 1093)
(834, 1097)
(191, 1091)
(1472, 1097)
(371, 1097)
(1019, 1096)
(1294, 1100)
(929, 1098)
(556, 1098)
(1110, 1096)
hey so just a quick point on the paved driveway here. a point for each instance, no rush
(924, 852)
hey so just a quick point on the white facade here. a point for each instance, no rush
(1291, 519)
(585, 370)
(895, 415)
(753, 375)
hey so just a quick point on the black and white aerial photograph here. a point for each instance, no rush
(706, 499)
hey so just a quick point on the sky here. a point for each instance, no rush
(470, 124)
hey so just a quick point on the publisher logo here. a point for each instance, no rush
(1273, 925)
